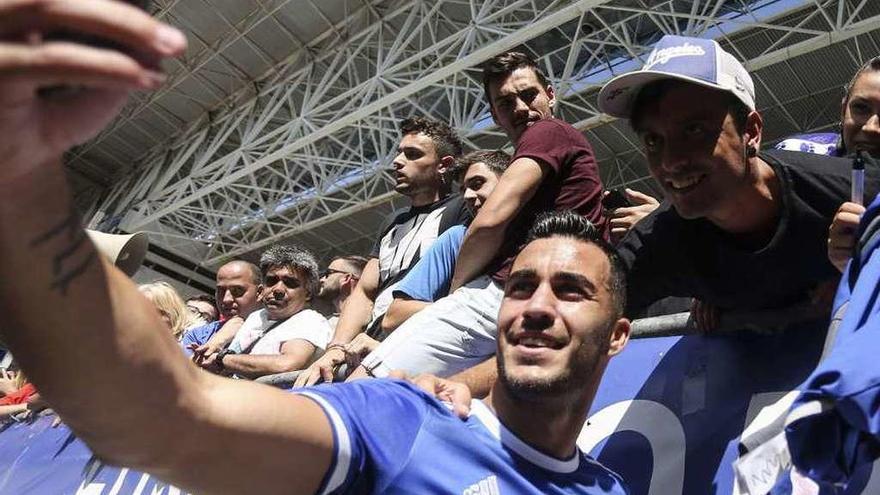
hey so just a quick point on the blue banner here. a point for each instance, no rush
(36, 458)
(668, 417)
(670, 411)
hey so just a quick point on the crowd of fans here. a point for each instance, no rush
(740, 228)
(738, 245)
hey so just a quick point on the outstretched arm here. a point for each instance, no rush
(69, 294)
(486, 233)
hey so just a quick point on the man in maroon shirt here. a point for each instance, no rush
(553, 168)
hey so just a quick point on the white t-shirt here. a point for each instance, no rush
(308, 325)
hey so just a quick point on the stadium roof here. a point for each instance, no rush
(280, 121)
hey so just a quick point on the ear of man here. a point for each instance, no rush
(446, 164)
(618, 337)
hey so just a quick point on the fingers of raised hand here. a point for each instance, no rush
(49, 63)
(640, 198)
(850, 207)
(112, 20)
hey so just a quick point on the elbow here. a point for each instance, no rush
(392, 319)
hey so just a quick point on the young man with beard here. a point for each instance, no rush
(338, 281)
(740, 229)
(286, 333)
(427, 150)
(477, 173)
(552, 169)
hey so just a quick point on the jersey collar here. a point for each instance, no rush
(524, 450)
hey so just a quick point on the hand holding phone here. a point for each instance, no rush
(38, 128)
(623, 213)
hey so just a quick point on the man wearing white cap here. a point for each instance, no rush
(739, 228)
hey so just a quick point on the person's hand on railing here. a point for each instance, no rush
(357, 349)
(842, 234)
(323, 368)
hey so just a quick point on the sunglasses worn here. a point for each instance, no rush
(330, 271)
(289, 282)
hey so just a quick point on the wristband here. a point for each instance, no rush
(222, 354)
(341, 347)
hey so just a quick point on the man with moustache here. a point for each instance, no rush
(286, 333)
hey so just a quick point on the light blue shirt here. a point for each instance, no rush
(429, 279)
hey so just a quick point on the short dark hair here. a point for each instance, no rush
(445, 139)
(869, 66)
(653, 91)
(203, 298)
(872, 65)
(502, 65)
(496, 160)
(356, 263)
(566, 223)
(294, 258)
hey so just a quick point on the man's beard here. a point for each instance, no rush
(328, 293)
(581, 367)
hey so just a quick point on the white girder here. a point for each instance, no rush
(314, 144)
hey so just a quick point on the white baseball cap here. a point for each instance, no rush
(695, 60)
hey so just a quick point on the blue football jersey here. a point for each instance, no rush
(833, 429)
(391, 437)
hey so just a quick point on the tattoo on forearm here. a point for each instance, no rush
(66, 265)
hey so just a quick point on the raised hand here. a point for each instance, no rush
(37, 127)
(842, 234)
(623, 219)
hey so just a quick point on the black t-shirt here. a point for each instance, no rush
(407, 234)
(670, 256)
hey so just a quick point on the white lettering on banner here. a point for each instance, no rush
(88, 487)
(666, 54)
(660, 427)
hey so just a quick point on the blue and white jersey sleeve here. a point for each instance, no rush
(375, 424)
(429, 279)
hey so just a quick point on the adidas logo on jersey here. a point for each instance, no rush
(486, 486)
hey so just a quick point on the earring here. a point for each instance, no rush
(751, 152)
